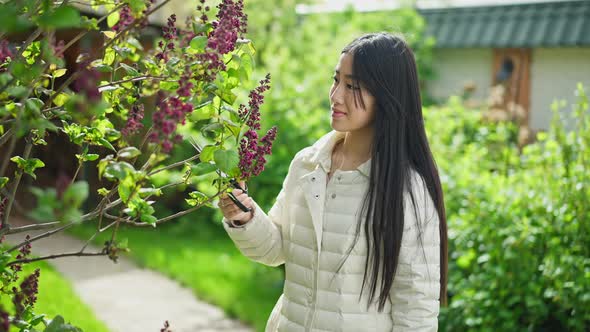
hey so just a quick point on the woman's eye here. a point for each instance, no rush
(352, 87)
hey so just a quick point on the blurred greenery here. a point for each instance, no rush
(206, 261)
(58, 297)
(518, 222)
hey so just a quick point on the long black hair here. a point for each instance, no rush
(384, 65)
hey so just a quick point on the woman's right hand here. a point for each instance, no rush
(231, 211)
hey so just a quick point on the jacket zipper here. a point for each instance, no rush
(316, 272)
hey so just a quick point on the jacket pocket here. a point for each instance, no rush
(273, 321)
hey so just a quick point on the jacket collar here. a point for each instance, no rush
(321, 152)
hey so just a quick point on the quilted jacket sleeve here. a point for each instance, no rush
(415, 291)
(260, 239)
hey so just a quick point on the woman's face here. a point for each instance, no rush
(346, 116)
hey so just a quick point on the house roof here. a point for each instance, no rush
(548, 24)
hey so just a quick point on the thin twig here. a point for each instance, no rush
(33, 227)
(134, 79)
(17, 178)
(7, 134)
(180, 163)
(71, 254)
(176, 215)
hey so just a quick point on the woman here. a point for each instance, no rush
(360, 221)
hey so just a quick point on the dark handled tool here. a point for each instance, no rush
(233, 182)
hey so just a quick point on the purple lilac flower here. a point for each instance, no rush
(134, 118)
(125, 19)
(171, 112)
(170, 34)
(5, 53)
(251, 153)
(27, 296)
(86, 83)
(231, 21)
(4, 320)
(252, 115)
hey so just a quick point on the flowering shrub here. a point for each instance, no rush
(187, 79)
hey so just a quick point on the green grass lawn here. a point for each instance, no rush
(202, 257)
(56, 296)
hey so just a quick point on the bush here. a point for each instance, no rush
(519, 229)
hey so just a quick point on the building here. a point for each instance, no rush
(539, 49)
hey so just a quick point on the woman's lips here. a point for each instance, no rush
(337, 114)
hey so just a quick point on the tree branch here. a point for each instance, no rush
(173, 165)
(33, 227)
(79, 253)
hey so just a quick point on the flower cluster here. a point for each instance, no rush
(170, 34)
(231, 22)
(134, 118)
(27, 296)
(5, 53)
(170, 113)
(252, 115)
(4, 320)
(62, 183)
(252, 154)
(87, 83)
(125, 19)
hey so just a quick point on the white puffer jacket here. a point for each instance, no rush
(310, 213)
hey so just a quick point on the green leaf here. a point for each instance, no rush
(34, 105)
(59, 72)
(61, 99)
(226, 160)
(113, 18)
(76, 194)
(28, 165)
(130, 70)
(144, 192)
(103, 191)
(109, 56)
(110, 34)
(196, 198)
(106, 144)
(202, 113)
(3, 181)
(61, 17)
(59, 325)
(207, 153)
(126, 188)
(118, 170)
(128, 152)
(198, 43)
(148, 219)
(203, 168)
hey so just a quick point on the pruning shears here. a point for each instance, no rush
(232, 181)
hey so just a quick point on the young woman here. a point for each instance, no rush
(360, 221)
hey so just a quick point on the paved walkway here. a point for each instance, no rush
(126, 297)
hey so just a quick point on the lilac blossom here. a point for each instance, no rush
(134, 118)
(5, 53)
(170, 34)
(171, 112)
(231, 22)
(252, 154)
(125, 19)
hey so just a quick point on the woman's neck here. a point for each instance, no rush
(356, 146)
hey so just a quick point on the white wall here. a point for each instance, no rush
(455, 67)
(554, 74)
